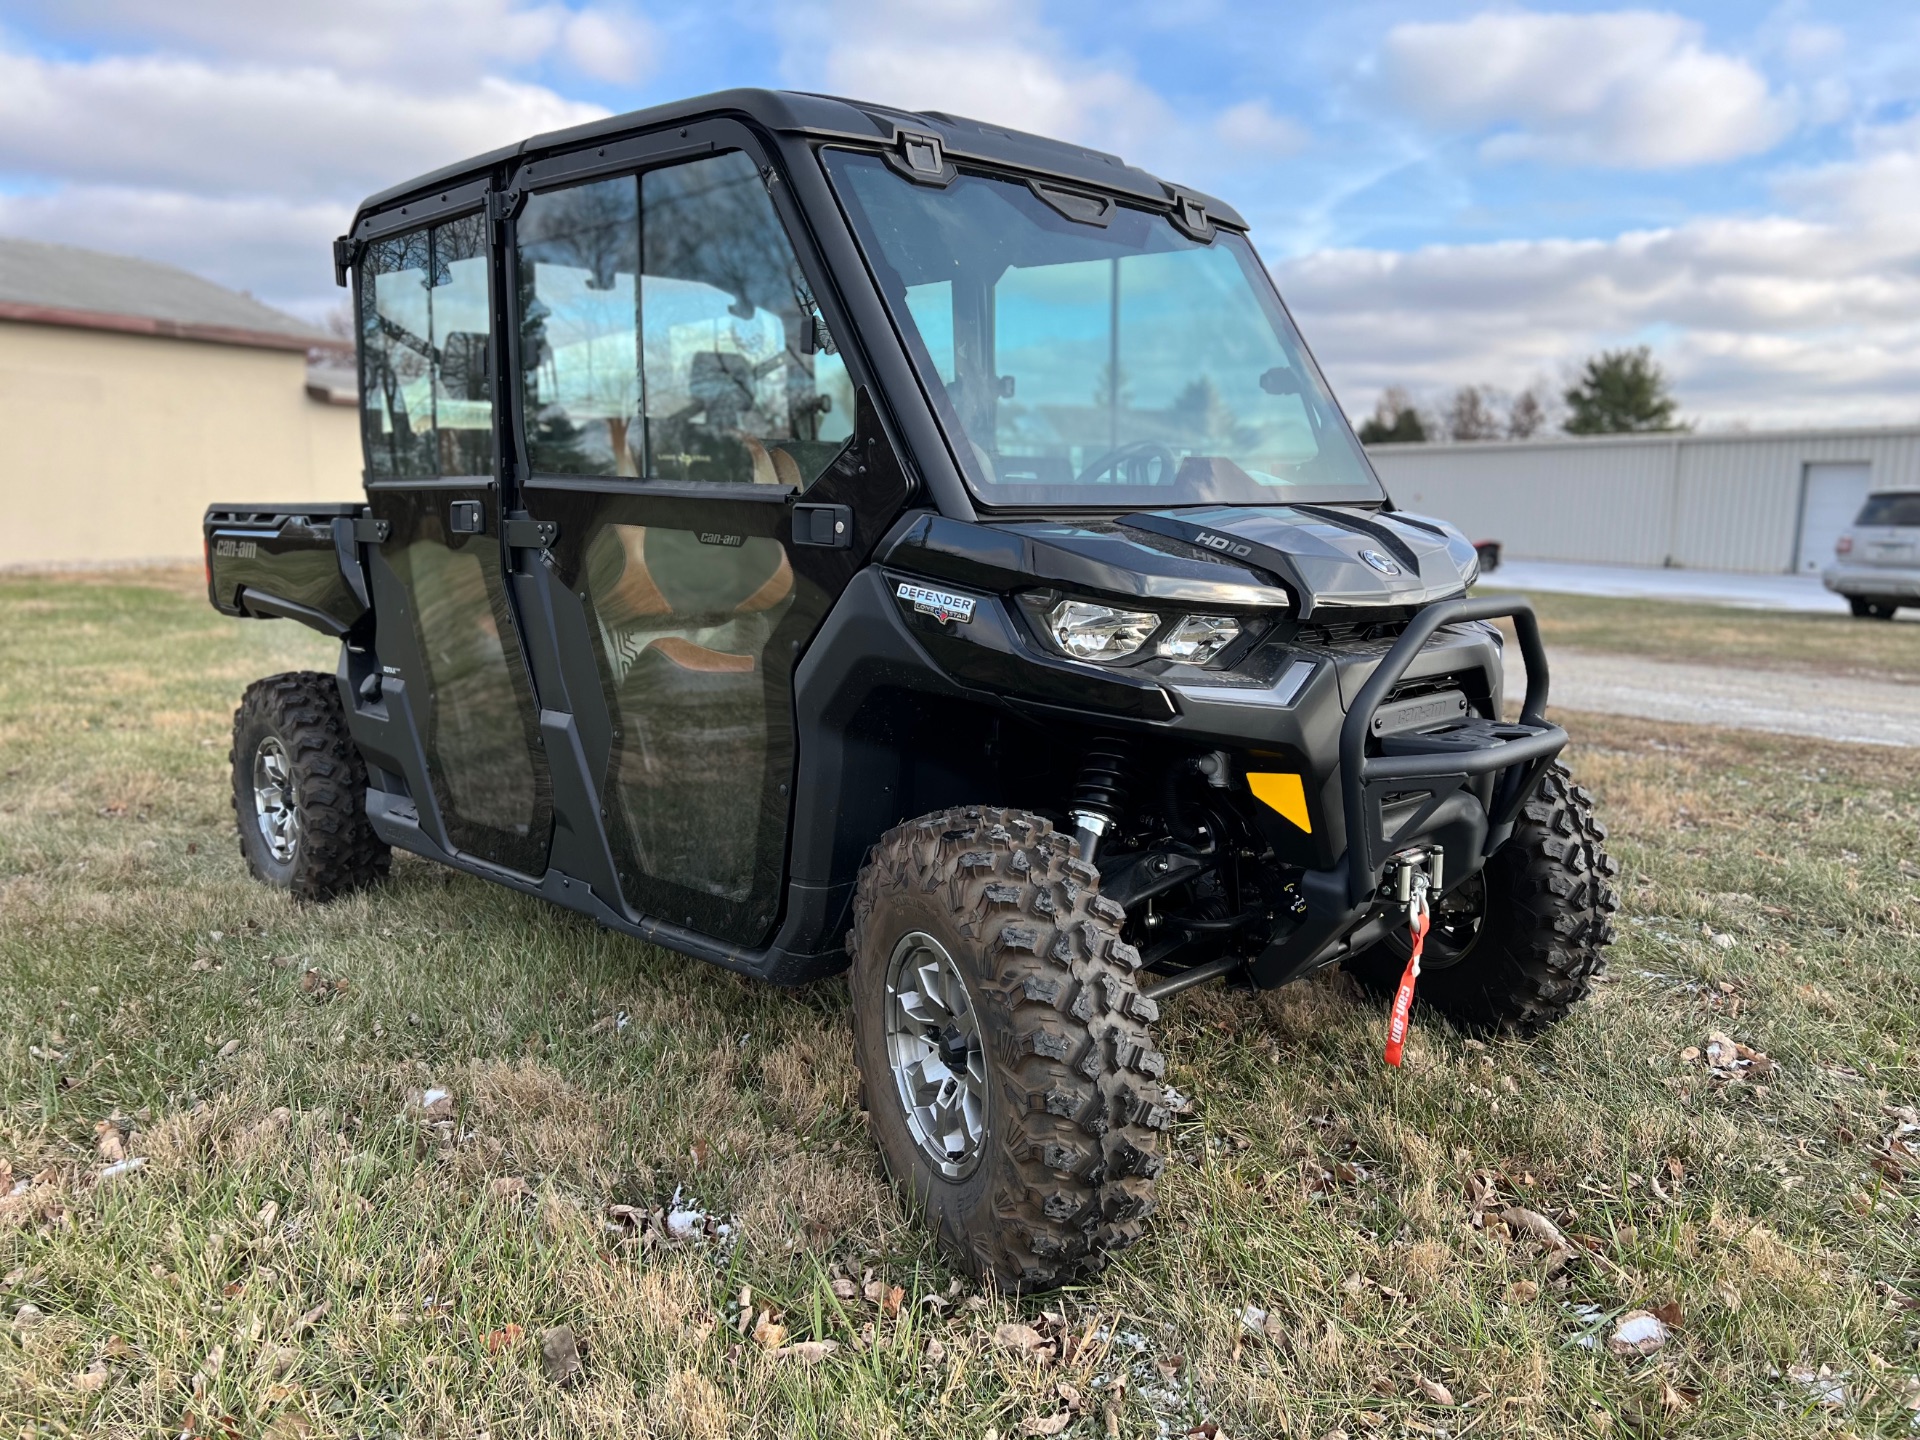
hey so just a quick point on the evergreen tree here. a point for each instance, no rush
(1395, 421)
(1620, 392)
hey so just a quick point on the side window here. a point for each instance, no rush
(579, 252)
(667, 333)
(427, 398)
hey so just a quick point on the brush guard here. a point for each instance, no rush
(1442, 764)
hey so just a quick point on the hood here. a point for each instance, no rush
(1330, 558)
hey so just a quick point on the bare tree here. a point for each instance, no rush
(1471, 415)
(1526, 416)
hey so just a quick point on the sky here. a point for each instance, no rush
(1447, 194)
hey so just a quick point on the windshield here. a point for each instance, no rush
(1101, 365)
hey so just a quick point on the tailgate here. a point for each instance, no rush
(298, 563)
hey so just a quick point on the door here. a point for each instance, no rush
(425, 305)
(678, 391)
(1830, 497)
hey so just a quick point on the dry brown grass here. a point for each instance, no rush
(310, 1253)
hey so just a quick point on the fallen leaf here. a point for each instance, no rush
(313, 1317)
(1538, 1226)
(1024, 1339)
(1046, 1424)
(321, 987)
(1522, 1292)
(935, 1351)
(1639, 1332)
(1669, 1315)
(1675, 1401)
(843, 1288)
(92, 1378)
(504, 1339)
(807, 1352)
(508, 1187)
(110, 1141)
(124, 1167)
(560, 1355)
(228, 1050)
(769, 1332)
(1434, 1390)
(436, 1104)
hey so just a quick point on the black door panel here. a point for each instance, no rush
(474, 703)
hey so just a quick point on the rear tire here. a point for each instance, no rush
(1052, 1170)
(1864, 609)
(1541, 937)
(299, 790)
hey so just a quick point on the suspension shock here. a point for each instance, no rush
(1100, 794)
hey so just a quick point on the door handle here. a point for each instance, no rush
(466, 517)
(828, 526)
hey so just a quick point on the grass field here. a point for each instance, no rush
(1726, 635)
(318, 1243)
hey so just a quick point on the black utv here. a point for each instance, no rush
(804, 535)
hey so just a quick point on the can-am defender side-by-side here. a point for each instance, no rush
(803, 534)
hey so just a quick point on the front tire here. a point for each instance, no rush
(1527, 949)
(1864, 609)
(299, 790)
(1011, 1078)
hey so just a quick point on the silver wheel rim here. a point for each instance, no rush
(933, 1045)
(275, 799)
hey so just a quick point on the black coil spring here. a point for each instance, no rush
(1106, 775)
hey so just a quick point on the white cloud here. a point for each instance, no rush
(610, 46)
(1252, 127)
(157, 122)
(1811, 317)
(1633, 88)
(988, 60)
(278, 250)
(440, 43)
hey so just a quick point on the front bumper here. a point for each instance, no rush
(1874, 582)
(1418, 789)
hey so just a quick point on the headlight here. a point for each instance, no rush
(1088, 631)
(1198, 638)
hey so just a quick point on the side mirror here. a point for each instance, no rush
(1281, 380)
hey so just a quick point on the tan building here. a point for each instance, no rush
(133, 394)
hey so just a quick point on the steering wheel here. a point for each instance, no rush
(1136, 458)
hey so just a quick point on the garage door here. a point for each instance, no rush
(1831, 497)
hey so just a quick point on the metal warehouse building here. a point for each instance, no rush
(1763, 502)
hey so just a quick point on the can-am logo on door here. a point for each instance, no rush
(941, 604)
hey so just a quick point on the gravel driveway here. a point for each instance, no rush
(1871, 712)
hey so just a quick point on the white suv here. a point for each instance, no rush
(1877, 565)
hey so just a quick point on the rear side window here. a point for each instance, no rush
(426, 393)
(1898, 509)
(667, 333)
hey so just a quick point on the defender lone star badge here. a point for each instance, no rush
(937, 603)
(1380, 562)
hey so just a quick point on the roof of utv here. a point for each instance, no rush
(825, 117)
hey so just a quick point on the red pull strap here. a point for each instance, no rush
(1403, 997)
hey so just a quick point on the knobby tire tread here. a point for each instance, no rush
(338, 851)
(1078, 1105)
